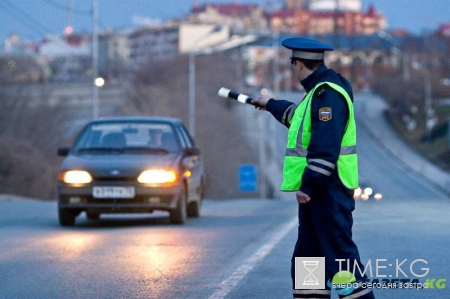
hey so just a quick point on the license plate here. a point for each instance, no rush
(113, 192)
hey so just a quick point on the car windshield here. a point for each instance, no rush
(133, 137)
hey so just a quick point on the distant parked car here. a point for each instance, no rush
(131, 165)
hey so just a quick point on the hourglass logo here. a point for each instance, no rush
(310, 273)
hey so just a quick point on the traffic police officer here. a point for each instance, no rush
(321, 164)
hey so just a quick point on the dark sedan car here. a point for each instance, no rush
(131, 165)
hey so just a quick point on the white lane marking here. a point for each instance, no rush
(242, 98)
(228, 284)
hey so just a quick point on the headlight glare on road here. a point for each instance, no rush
(157, 176)
(76, 177)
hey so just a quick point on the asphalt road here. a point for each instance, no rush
(239, 248)
(129, 257)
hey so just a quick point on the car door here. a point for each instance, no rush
(196, 171)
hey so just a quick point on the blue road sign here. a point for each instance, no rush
(247, 178)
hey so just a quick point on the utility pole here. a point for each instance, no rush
(95, 101)
(430, 117)
(69, 18)
(429, 111)
(336, 25)
(192, 93)
(192, 54)
(276, 91)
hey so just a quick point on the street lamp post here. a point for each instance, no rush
(192, 54)
(95, 100)
(398, 52)
(430, 119)
(429, 111)
(192, 93)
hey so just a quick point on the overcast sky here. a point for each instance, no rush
(31, 19)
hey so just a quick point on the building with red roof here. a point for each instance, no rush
(348, 22)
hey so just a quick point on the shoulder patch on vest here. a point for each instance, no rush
(320, 90)
(325, 114)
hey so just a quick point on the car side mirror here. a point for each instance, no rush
(63, 151)
(192, 151)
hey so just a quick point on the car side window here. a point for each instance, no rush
(182, 137)
(186, 136)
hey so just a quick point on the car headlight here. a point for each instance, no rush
(368, 191)
(157, 176)
(76, 177)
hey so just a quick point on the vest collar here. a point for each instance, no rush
(309, 82)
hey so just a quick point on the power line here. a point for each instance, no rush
(26, 19)
(25, 16)
(22, 19)
(83, 13)
(59, 6)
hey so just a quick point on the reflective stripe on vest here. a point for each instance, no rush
(299, 136)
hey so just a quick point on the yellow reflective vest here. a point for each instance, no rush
(299, 136)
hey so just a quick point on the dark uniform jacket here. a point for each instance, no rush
(326, 136)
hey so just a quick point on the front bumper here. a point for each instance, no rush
(146, 199)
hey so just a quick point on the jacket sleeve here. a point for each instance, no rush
(326, 137)
(282, 110)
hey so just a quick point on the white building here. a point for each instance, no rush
(153, 43)
(194, 37)
(332, 5)
(58, 46)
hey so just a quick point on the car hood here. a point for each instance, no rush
(119, 165)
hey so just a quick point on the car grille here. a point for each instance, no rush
(137, 199)
(115, 179)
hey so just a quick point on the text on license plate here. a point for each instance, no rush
(113, 192)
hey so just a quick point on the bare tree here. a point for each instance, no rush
(161, 89)
(30, 130)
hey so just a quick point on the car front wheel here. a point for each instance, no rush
(178, 215)
(195, 206)
(193, 209)
(66, 217)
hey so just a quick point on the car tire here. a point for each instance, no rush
(66, 217)
(193, 209)
(92, 215)
(178, 215)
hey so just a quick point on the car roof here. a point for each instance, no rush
(136, 119)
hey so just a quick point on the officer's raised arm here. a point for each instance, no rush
(282, 110)
(262, 101)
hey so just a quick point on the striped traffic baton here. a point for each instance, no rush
(242, 98)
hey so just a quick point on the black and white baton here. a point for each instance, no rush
(242, 98)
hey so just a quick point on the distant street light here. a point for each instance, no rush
(99, 82)
(95, 101)
(68, 30)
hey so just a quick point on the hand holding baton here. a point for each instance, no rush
(242, 98)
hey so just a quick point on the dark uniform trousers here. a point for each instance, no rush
(325, 230)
